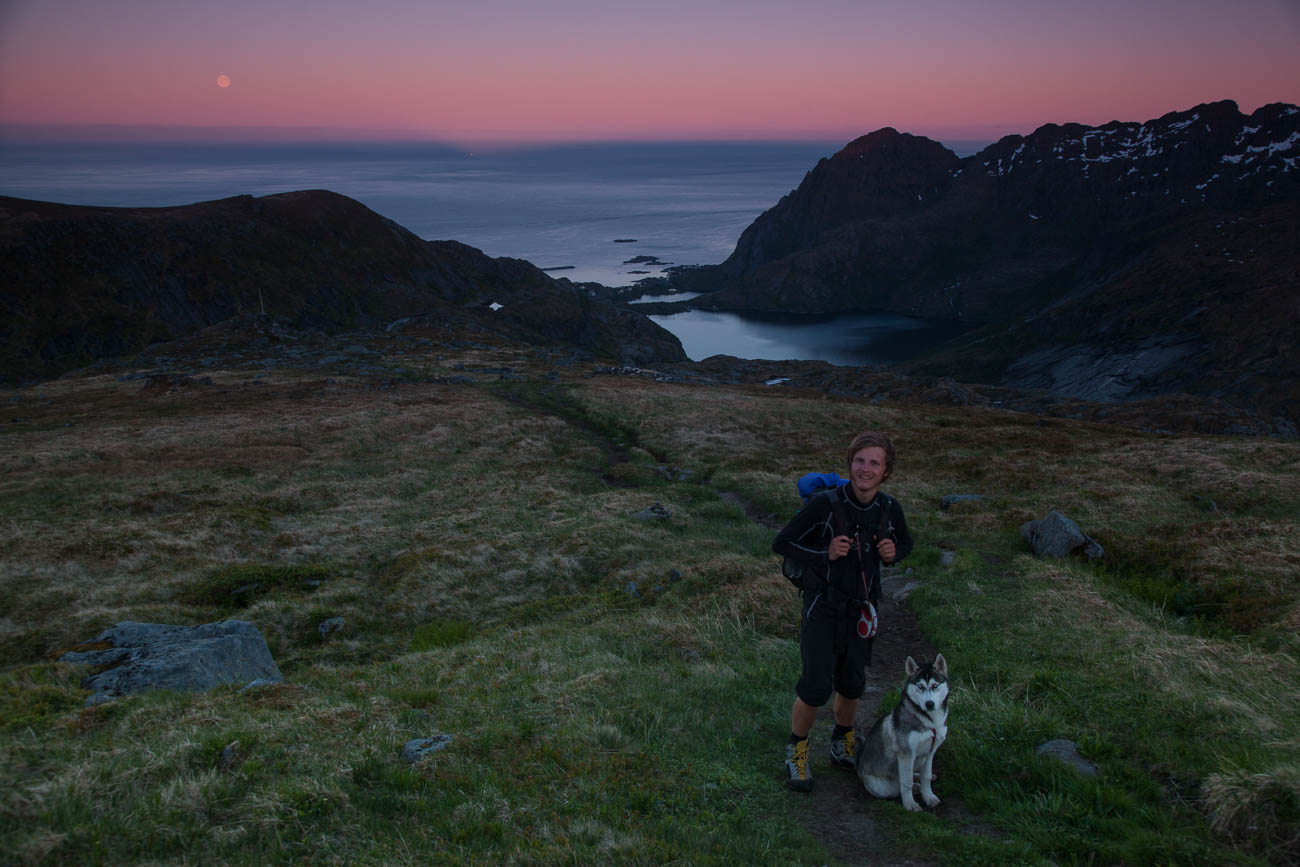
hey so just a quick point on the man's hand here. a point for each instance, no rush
(839, 547)
(885, 547)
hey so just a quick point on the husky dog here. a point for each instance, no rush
(902, 744)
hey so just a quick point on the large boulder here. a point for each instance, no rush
(142, 656)
(1057, 536)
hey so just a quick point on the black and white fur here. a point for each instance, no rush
(901, 745)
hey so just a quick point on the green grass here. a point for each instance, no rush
(237, 585)
(443, 633)
(478, 540)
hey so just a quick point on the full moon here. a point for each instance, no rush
(223, 81)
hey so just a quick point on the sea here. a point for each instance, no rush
(612, 213)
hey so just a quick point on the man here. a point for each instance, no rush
(841, 538)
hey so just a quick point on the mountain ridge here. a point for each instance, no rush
(79, 283)
(1035, 237)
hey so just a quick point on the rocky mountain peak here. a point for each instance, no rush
(1052, 228)
(879, 174)
(1209, 154)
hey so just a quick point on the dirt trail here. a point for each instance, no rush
(852, 824)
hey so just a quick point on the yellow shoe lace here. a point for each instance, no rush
(850, 749)
(801, 758)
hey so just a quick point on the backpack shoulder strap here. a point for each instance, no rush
(884, 524)
(839, 519)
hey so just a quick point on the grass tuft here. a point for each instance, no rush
(238, 585)
(34, 696)
(439, 634)
(1258, 810)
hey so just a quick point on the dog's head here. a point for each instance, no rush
(927, 685)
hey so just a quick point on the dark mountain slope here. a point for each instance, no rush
(1212, 308)
(1077, 248)
(898, 222)
(78, 283)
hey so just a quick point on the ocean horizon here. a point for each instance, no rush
(580, 210)
(610, 213)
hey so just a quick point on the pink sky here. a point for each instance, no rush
(480, 70)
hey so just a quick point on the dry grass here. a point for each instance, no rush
(1259, 810)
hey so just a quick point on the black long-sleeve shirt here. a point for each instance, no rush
(837, 512)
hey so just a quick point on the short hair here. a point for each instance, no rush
(869, 438)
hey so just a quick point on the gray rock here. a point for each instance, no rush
(146, 656)
(950, 500)
(413, 751)
(906, 590)
(674, 576)
(1067, 751)
(230, 757)
(258, 684)
(1099, 372)
(633, 590)
(654, 512)
(398, 323)
(947, 558)
(674, 474)
(328, 627)
(1058, 536)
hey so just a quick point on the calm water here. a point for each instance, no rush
(877, 338)
(583, 210)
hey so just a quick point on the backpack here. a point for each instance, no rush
(808, 485)
(805, 578)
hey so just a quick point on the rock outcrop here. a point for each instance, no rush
(1058, 537)
(139, 656)
(80, 283)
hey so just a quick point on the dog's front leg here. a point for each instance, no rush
(928, 797)
(906, 761)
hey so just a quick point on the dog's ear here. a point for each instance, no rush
(911, 667)
(941, 665)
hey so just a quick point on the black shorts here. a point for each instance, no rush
(826, 669)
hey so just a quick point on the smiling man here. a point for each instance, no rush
(841, 537)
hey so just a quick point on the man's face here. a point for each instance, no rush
(867, 471)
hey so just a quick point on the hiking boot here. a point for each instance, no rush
(844, 752)
(798, 777)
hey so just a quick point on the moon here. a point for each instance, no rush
(223, 81)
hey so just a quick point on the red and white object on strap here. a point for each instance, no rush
(867, 621)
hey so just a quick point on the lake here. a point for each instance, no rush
(854, 340)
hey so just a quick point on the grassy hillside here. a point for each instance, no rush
(478, 536)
